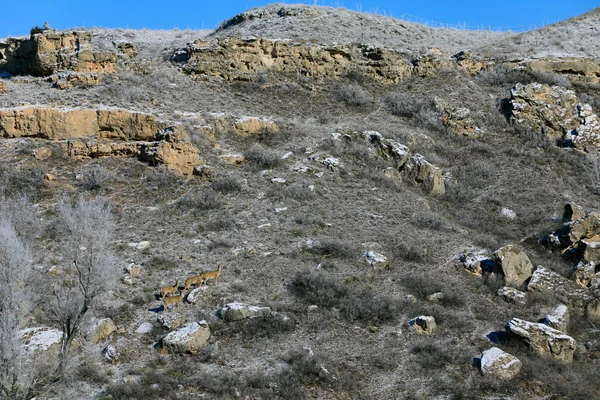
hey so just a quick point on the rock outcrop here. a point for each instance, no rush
(514, 264)
(190, 338)
(499, 364)
(423, 324)
(457, 119)
(557, 318)
(542, 339)
(420, 171)
(375, 260)
(557, 113)
(100, 330)
(240, 311)
(512, 295)
(578, 239)
(40, 339)
(243, 59)
(92, 133)
(50, 52)
(575, 68)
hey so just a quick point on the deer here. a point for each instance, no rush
(193, 280)
(169, 289)
(173, 300)
(212, 274)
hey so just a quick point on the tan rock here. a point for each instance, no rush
(577, 69)
(542, 339)
(499, 364)
(234, 159)
(43, 153)
(584, 273)
(420, 171)
(458, 119)
(243, 59)
(190, 338)
(181, 157)
(3, 88)
(127, 48)
(514, 264)
(423, 324)
(100, 330)
(573, 212)
(49, 177)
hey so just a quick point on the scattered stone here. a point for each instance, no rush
(171, 320)
(499, 364)
(376, 260)
(420, 171)
(100, 330)
(410, 298)
(542, 339)
(331, 162)
(239, 311)
(110, 353)
(190, 338)
(144, 328)
(263, 226)
(475, 262)
(280, 209)
(508, 213)
(232, 159)
(141, 245)
(458, 119)
(128, 280)
(573, 212)
(134, 269)
(278, 180)
(423, 324)
(512, 295)
(2, 86)
(585, 274)
(558, 318)
(205, 172)
(514, 264)
(287, 155)
(49, 177)
(435, 297)
(312, 308)
(194, 296)
(42, 153)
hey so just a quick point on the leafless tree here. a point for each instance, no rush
(15, 272)
(88, 227)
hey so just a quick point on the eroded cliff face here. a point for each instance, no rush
(84, 132)
(48, 53)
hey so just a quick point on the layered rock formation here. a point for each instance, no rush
(104, 132)
(50, 52)
(543, 339)
(557, 113)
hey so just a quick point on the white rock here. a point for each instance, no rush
(375, 260)
(423, 324)
(542, 339)
(512, 295)
(331, 162)
(286, 155)
(144, 328)
(558, 318)
(278, 180)
(281, 209)
(190, 338)
(264, 226)
(40, 338)
(195, 295)
(141, 245)
(238, 311)
(508, 213)
(499, 364)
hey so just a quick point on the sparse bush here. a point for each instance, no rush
(220, 243)
(408, 251)
(263, 157)
(430, 220)
(424, 285)
(91, 373)
(355, 304)
(506, 75)
(96, 177)
(36, 29)
(204, 200)
(25, 181)
(161, 263)
(220, 224)
(227, 184)
(334, 248)
(431, 356)
(352, 94)
(421, 111)
(160, 177)
(299, 192)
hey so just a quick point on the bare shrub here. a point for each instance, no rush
(352, 94)
(431, 356)
(430, 220)
(227, 184)
(160, 263)
(421, 111)
(160, 177)
(202, 200)
(96, 177)
(220, 224)
(355, 304)
(27, 181)
(263, 157)
(335, 248)
(91, 269)
(424, 285)
(15, 270)
(506, 75)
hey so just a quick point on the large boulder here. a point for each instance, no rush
(512, 295)
(423, 324)
(557, 113)
(572, 212)
(514, 264)
(239, 311)
(499, 364)
(190, 338)
(100, 329)
(419, 171)
(542, 339)
(376, 260)
(40, 339)
(558, 318)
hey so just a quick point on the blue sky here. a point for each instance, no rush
(17, 17)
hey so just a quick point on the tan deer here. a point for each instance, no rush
(173, 300)
(193, 280)
(212, 274)
(169, 289)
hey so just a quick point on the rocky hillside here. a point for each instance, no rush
(268, 211)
